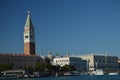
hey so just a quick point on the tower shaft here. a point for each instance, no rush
(29, 37)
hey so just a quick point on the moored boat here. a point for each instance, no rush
(67, 74)
(114, 73)
(98, 72)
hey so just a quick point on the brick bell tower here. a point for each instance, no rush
(29, 37)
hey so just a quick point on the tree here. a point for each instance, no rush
(56, 68)
(40, 66)
(47, 61)
(28, 69)
(68, 68)
(7, 66)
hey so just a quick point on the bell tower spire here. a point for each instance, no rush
(28, 12)
(29, 36)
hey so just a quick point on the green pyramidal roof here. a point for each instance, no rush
(28, 21)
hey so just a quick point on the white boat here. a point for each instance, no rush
(98, 72)
(113, 73)
(67, 74)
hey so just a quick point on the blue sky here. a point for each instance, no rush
(61, 26)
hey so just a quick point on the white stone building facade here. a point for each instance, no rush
(78, 63)
(105, 62)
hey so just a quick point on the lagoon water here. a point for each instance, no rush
(83, 77)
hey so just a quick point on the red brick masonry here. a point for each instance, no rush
(29, 48)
